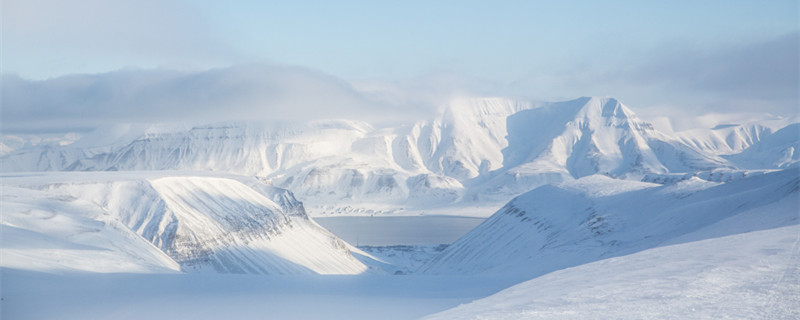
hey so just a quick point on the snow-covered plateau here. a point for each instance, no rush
(496, 209)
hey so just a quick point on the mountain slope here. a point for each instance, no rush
(43, 231)
(558, 226)
(204, 223)
(572, 139)
(753, 275)
(778, 150)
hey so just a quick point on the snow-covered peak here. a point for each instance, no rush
(599, 112)
(590, 135)
(606, 107)
(484, 148)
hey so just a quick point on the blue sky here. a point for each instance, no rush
(373, 39)
(494, 39)
(648, 53)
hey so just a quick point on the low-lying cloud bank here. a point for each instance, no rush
(761, 76)
(254, 92)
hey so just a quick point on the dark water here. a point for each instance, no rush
(410, 230)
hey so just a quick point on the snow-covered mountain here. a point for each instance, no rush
(569, 140)
(575, 222)
(778, 150)
(603, 206)
(157, 221)
(488, 149)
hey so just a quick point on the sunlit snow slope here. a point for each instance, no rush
(576, 222)
(153, 221)
(44, 231)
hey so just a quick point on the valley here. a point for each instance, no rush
(497, 208)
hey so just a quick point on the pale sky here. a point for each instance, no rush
(696, 55)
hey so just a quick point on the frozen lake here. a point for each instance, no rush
(406, 230)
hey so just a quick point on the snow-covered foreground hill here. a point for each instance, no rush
(576, 222)
(157, 222)
(698, 249)
(750, 275)
(620, 249)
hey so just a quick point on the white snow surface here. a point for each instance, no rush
(151, 222)
(484, 150)
(752, 275)
(558, 226)
(55, 233)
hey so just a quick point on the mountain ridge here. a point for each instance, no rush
(556, 226)
(203, 223)
(487, 149)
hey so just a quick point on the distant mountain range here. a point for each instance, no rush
(478, 150)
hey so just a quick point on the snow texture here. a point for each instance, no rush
(752, 275)
(200, 223)
(576, 222)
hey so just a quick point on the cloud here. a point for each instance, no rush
(764, 71)
(680, 80)
(254, 92)
(759, 76)
(429, 92)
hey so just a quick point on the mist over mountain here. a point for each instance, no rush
(584, 187)
(399, 159)
(479, 149)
